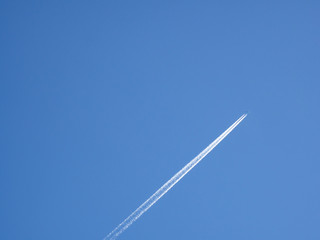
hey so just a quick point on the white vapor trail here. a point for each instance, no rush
(168, 185)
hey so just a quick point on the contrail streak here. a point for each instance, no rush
(168, 185)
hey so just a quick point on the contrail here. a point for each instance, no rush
(168, 185)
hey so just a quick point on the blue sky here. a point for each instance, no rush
(103, 101)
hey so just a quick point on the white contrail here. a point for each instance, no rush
(168, 185)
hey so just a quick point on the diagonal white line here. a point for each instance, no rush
(169, 184)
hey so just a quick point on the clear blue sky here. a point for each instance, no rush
(103, 101)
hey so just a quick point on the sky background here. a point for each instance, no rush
(103, 101)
